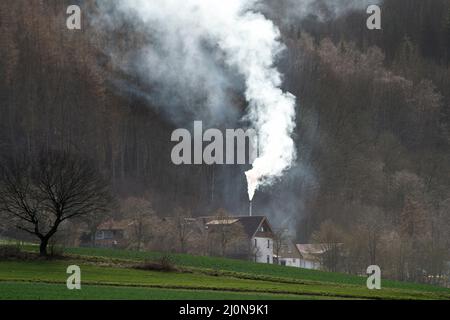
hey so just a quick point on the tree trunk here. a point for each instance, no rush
(43, 247)
(93, 239)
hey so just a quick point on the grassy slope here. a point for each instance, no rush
(240, 266)
(204, 278)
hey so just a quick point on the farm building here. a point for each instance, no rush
(113, 234)
(289, 255)
(257, 237)
(310, 255)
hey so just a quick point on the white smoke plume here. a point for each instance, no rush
(246, 42)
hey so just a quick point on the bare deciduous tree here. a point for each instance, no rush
(330, 237)
(183, 228)
(224, 231)
(39, 194)
(280, 239)
(141, 212)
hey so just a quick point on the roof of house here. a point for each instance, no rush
(251, 224)
(289, 250)
(312, 251)
(222, 221)
(311, 248)
(115, 225)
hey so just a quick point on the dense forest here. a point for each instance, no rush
(373, 125)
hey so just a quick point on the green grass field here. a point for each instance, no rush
(41, 291)
(109, 274)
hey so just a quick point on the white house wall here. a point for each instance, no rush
(262, 250)
(307, 264)
(291, 262)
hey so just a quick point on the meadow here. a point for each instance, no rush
(119, 274)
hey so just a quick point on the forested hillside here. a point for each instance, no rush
(373, 125)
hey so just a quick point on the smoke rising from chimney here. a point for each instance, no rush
(241, 39)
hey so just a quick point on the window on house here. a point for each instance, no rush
(268, 244)
(268, 259)
(256, 243)
(109, 235)
(100, 235)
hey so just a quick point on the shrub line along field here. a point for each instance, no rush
(119, 274)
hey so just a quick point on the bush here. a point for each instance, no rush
(10, 252)
(165, 263)
(56, 251)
